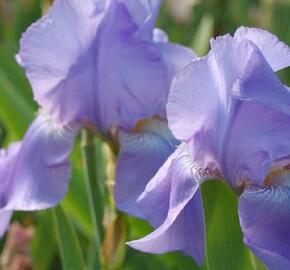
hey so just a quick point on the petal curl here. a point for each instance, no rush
(201, 93)
(265, 219)
(175, 189)
(276, 52)
(141, 155)
(38, 170)
(258, 83)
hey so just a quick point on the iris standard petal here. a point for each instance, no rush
(276, 52)
(265, 219)
(258, 136)
(59, 58)
(183, 227)
(144, 14)
(187, 109)
(138, 82)
(258, 83)
(90, 62)
(37, 174)
(136, 85)
(233, 97)
(259, 128)
(141, 155)
(175, 56)
(200, 94)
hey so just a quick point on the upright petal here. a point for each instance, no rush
(97, 62)
(200, 94)
(144, 14)
(265, 220)
(258, 83)
(133, 81)
(59, 55)
(175, 56)
(259, 129)
(141, 155)
(37, 172)
(175, 188)
(235, 99)
(277, 53)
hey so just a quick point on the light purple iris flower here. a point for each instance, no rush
(97, 63)
(232, 114)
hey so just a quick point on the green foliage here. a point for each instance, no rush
(69, 246)
(225, 248)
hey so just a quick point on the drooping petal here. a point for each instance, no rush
(175, 189)
(277, 53)
(265, 220)
(38, 169)
(141, 155)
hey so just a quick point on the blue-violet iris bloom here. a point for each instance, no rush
(232, 114)
(90, 63)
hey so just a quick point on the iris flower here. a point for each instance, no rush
(232, 114)
(90, 63)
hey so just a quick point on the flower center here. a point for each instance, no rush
(278, 176)
(202, 175)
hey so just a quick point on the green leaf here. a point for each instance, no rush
(43, 236)
(76, 202)
(225, 247)
(15, 112)
(70, 250)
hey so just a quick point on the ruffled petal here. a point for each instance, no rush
(233, 98)
(175, 192)
(265, 221)
(141, 155)
(276, 52)
(259, 127)
(36, 171)
(144, 14)
(201, 93)
(97, 62)
(58, 55)
(258, 83)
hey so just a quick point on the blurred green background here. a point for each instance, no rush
(65, 234)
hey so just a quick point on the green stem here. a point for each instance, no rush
(95, 197)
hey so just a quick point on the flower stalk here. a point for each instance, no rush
(95, 197)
